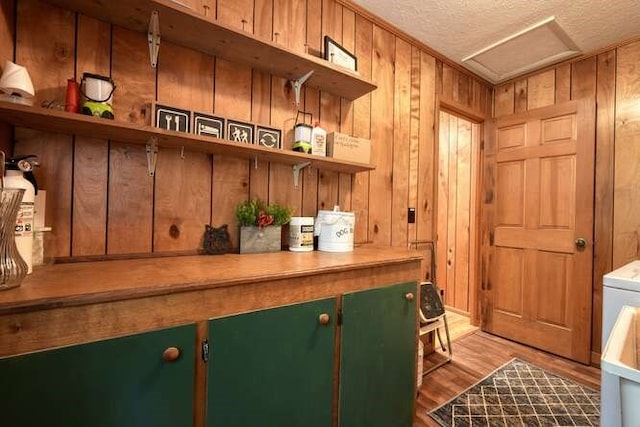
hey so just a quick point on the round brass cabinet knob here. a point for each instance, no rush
(171, 354)
(408, 296)
(324, 319)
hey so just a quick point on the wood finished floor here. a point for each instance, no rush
(476, 355)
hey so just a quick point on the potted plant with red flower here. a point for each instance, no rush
(261, 225)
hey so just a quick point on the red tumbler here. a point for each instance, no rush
(72, 103)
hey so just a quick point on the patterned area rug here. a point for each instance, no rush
(521, 394)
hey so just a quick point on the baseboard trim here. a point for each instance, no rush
(456, 310)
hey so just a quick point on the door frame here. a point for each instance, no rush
(477, 172)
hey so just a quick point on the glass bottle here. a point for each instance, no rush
(13, 268)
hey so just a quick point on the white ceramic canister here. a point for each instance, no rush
(335, 231)
(301, 234)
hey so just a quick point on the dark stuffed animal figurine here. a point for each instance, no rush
(216, 240)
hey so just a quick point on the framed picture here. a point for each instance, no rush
(338, 55)
(268, 137)
(171, 118)
(204, 124)
(240, 131)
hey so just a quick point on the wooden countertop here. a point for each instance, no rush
(64, 285)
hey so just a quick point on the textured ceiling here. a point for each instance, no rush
(460, 28)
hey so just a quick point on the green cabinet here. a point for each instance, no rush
(272, 367)
(275, 367)
(377, 357)
(120, 382)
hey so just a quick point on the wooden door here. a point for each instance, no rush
(378, 357)
(272, 367)
(456, 215)
(118, 382)
(538, 290)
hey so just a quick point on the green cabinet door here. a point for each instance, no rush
(121, 382)
(272, 367)
(377, 362)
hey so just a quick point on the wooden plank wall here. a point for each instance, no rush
(101, 201)
(7, 43)
(610, 78)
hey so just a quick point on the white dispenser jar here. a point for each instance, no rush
(301, 234)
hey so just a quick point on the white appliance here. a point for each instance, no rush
(620, 358)
(621, 287)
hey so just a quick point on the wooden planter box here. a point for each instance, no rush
(255, 240)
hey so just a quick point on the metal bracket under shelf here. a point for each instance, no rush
(153, 36)
(296, 172)
(297, 85)
(152, 155)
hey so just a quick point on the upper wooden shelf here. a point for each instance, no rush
(78, 124)
(186, 27)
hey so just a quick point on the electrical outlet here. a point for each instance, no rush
(411, 215)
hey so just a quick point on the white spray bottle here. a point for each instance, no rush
(19, 174)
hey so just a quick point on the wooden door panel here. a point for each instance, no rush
(557, 192)
(547, 337)
(528, 327)
(546, 240)
(457, 194)
(510, 185)
(540, 286)
(558, 129)
(462, 221)
(508, 281)
(442, 220)
(511, 137)
(536, 152)
(552, 288)
(452, 214)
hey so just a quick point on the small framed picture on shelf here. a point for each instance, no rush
(240, 131)
(338, 55)
(205, 124)
(268, 137)
(171, 118)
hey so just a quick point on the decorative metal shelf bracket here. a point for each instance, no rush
(296, 172)
(152, 155)
(297, 85)
(153, 36)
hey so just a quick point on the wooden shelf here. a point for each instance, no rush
(186, 27)
(77, 124)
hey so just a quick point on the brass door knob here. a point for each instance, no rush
(581, 243)
(324, 319)
(171, 354)
(408, 296)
